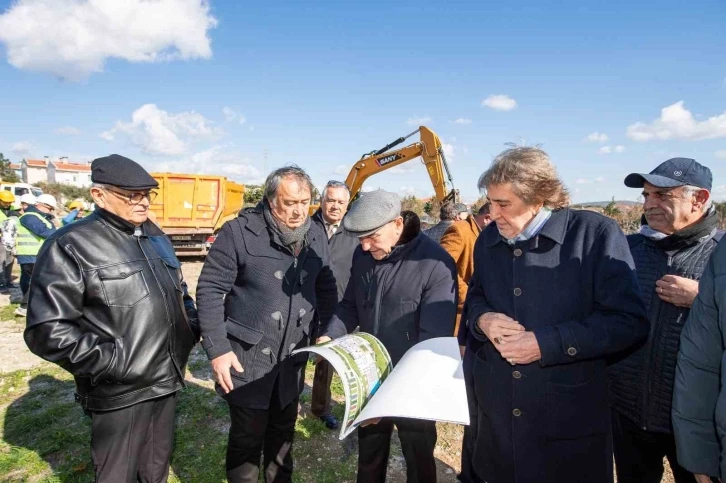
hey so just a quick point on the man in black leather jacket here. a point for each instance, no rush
(108, 304)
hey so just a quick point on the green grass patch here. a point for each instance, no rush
(7, 312)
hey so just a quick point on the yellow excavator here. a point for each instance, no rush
(429, 149)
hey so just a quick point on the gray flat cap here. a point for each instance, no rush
(371, 211)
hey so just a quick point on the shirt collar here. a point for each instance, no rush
(555, 229)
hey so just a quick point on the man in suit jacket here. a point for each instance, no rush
(329, 217)
(458, 241)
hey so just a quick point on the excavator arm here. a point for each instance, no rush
(430, 150)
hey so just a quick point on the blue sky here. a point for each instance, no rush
(607, 87)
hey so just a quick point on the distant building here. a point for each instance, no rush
(17, 169)
(63, 172)
(34, 170)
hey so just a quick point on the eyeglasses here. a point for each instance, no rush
(135, 198)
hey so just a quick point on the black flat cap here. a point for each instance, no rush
(116, 170)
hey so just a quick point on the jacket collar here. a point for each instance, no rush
(555, 229)
(147, 228)
(473, 225)
(33, 209)
(318, 218)
(400, 251)
(257, 225)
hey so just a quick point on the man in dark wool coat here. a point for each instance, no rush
(553, 293)
(263, 281)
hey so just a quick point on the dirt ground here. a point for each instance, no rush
(15, 356)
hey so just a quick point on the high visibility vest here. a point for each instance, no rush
(28, 243)
(3, 216)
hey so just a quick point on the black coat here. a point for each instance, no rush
(699, 393)
(641, 379)
(257, 299)
(574, 286)
(342, 246)
(408, 297)
(109, 307)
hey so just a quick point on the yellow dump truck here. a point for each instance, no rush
(191, 208)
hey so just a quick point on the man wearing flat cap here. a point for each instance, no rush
(109, 305)
(403, 293)
(678, 234)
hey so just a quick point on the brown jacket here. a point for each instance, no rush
(459, 241)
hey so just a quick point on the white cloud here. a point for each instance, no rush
(499, 102)
(221, 159)
(68, 131)
(231, 115)
(597, 137)
(600, 179)
(611, 149)
(449, 151)
(22, 148)
(720, 154)
(677, 122)
(342, 169)
(462, 120)
(73, 39)
(418, 121)
(583, 181)
(156, 131)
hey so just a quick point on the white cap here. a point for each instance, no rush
(46, 200)
(28, 199)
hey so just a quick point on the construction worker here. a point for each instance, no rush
(36, 224)
(8, 225)
(77, 211)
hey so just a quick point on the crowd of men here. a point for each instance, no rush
(578, 343)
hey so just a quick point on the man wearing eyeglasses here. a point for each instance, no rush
(108, 304)
(34, 227)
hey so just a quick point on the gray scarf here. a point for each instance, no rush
(291, 238)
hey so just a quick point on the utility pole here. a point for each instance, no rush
(264, 164)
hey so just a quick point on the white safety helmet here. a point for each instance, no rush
(28, 199)
(47, 200)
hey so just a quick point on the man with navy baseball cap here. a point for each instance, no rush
(679, 233)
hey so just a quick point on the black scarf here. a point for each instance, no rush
(691, 234)
(293, 238)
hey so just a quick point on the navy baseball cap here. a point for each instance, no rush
(673, 173)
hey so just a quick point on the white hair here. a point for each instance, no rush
(690, 190)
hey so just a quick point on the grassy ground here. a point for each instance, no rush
(45, 436)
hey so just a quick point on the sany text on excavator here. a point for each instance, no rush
(429, 149)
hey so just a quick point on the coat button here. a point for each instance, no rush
(571, 351)
(517, 292)
(516, 413)
(517, 252)
(517, 375)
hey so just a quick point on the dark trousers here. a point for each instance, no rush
(320, 402)
(418, 439)
(8, 270)
(639, 454)
(134, 444)
(267, 431)
(26, 271)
